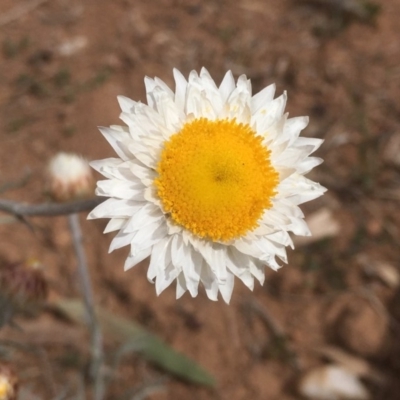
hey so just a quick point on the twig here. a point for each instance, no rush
(270, 321)
(363, 10)
(87, 293)
(19, 11)
(280, 336)
(48, 209)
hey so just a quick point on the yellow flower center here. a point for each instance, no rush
(215, 178)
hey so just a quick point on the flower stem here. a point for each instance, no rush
(87, 293)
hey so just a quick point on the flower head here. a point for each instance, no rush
(207, 182)
(70, 177)
(23, 285)
(8, 383)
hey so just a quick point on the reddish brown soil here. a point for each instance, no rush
(342, 72)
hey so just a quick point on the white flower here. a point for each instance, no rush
(207, 182)
(70, 177)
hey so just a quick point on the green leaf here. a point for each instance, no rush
(139, 339)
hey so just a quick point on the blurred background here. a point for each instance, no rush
(337, 303)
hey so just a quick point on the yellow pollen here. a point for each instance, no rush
(215, 178)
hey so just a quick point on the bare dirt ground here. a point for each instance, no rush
(63, 63)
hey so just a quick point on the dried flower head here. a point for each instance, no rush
(70, 177)
(8, 383)
(23, 285)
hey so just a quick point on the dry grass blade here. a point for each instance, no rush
(145, 343)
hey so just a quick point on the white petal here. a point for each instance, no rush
(156, 84)
(244, 85)
(164, 256)
(177, 254)
(248, 248)
(136, 258)
(126, 104)
(147, 150)
(289, 210)
(181, 287)
(192, 287)
(146, 158)
(284, 172)
(227, 86)
(271, 249)
(118, 141)
(280, 237)
(214, 255)
(120, 128)
(211, 90)
(299, 189)
(210, 282)
(157, 256)
(167, 109)
(314, 143)
(99, 165)
(148, 214)
(119, 171)
(267, 115)
(160, 83)
(192, 261)
(257, 269)
(165, 278)
(145, 174)
(149, 234)
(262, 98)
(299, 227)
(120, 189)
(115, 208)
(180, 89)
(307, 165)
(238, 108)
(275, 219)
(122, 239)
(115, 224)
(238, 103)
(294, 126)
(226, 288)
(197, 104)
(238, 264)
(150, 85)
(288, 157)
